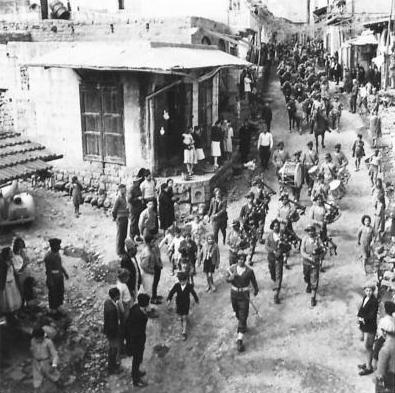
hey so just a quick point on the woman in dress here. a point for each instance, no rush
(10, 296)
(189, 150)
(197, 137)
(21, 265)
(166, 207)
(228, 139)
(216, 137)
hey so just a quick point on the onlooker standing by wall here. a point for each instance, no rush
(76, 195)
(166, 208)
(354, 96)
(228, 139)
(135, 200)
(120, 214)
(112, 329)
(216, 138)
(148, 188)
(244, 141)
(197, 137)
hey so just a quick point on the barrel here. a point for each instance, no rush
(59, 11)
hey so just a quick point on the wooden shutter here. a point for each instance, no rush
(102, 123)
(90, 100)
(113, 130)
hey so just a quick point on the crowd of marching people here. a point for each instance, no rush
(149, 235)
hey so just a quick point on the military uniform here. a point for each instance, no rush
(234, 243)
(309, 159)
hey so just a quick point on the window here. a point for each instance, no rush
(102, 123)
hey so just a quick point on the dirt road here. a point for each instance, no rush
(292, 347)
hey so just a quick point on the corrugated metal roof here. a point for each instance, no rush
(19, 157)
(141, 56)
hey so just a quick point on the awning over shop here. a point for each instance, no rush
(366, 38)
(141, 56)
(19, 157)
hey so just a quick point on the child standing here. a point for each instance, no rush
(210, 257)
(166, 241)
(358, 151)
(183, 291)
(188, 249)
(365, 239)
(174, 249)
(76, 195)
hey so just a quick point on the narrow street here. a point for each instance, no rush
(291, 347)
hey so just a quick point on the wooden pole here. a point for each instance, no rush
(386, 56)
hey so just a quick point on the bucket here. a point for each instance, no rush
(59, 11)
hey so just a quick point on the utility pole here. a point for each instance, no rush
(387, 56)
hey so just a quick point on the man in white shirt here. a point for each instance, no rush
(265, 145)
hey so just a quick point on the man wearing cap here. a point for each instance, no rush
(241, 277)
(267, 114)
(120, 214)
(234, 242)
(55, 275)
(335, 113)
(285, 211)
(311, 251)
(328, 168)
(367, 317)
(135, 200)
(309, 159)
(248, 208)
(280, 157)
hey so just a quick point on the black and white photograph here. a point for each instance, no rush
(197, 196)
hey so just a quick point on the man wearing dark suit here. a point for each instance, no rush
(112, 329)
(367, 317)
(136, 325)
(218, 215)
(129, 262)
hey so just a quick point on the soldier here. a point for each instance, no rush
(311, 251)
(320, 188)
(328, 168)
(339, 159)
(280, 156)
(234, 242)
(241, 278)
(309, 159)
(249, 218)
(335, 113)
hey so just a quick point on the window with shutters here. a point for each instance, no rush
(102, 123)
